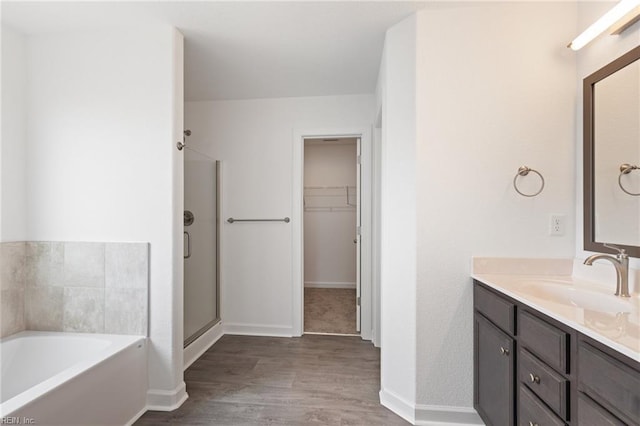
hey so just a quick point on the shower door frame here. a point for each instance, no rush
(218, 318)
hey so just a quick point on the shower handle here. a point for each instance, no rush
(188, 255)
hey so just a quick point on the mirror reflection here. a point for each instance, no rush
(611, 119)
(616, 148)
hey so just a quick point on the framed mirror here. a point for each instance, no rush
(612, 156)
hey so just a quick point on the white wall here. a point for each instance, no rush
(497, 94)
(13, 203)
(104, 112)
(591, 58)
(330, 163)
(253, 138)
(329, 251)
(397, 98)
(170, 310)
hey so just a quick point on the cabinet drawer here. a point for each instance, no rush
(548, 385)
(534, 412)
(591, 414)
(494, 307)
(609, 382)
(546, 341)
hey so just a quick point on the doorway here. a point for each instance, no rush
(331, 216)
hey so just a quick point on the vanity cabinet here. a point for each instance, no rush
(608, 383)
(494, 357)
(544, 370)
(530, 369)
(533, 411)
(549, 386)
(593, 414)
(495, 373)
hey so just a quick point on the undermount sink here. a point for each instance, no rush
(560, 291)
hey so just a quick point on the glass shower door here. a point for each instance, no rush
(201, 265)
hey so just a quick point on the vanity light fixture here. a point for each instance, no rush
(618, 19)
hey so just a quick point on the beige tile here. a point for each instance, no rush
(83, 309)
(127, 265)
(12, 265)
(84, 264)
(12, 312)
(44, 264)
(126, 311)
(43, 308)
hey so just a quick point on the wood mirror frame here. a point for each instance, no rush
(590, 243)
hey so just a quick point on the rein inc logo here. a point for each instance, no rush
(17, 421)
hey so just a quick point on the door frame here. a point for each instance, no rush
(297, 223)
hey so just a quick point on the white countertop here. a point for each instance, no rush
(600, 319)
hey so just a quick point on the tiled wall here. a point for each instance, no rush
(77, 287)
(12, 288)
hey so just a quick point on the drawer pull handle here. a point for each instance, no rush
(534, 378)
(504, 351)
(533, 424)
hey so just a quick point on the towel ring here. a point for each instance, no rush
(625, 169)
(524, 171)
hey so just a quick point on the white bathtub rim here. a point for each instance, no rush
(120, 341)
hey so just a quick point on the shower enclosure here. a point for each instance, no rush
(201, 244)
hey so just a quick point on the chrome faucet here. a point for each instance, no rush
(621, 263)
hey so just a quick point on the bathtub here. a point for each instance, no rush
(51, 378)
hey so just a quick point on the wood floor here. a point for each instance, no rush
(330, 310)
(322, 380)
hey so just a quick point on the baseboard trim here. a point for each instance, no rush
(323, 284)
(318, 333)
(163, 400)
(398, 405)
(202, 344)
(258, 330)
(136, 417)
(432, 415)
(429, 415)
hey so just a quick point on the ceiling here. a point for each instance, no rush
(245, 50)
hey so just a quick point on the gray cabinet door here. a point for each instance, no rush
(494, 373)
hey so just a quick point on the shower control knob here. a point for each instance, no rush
(188, 218)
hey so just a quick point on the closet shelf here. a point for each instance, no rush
(329, 209)
(330, 198)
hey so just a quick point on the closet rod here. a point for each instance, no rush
(285, 220)
(329, 187)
